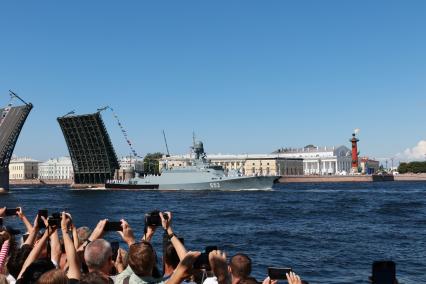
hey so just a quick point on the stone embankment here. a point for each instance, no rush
(40, 182)
(411, 177)
(357, 178)
(315, 179)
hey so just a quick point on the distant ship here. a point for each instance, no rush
(199, 175)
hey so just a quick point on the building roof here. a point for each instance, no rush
(23, 159)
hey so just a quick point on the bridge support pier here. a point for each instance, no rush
(4, 180)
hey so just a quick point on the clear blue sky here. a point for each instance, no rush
(246, 76)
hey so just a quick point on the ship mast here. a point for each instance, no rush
(165, 142)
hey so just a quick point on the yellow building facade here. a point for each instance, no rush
(248, 165)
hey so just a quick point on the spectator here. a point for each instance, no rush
(239, 267)
(83, 234)
(98, 256)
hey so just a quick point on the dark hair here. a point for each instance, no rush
(170, 255)
(142, 258)
(36, 269)
(17, 259)
(94, 277)
(54, 276)
(240, 265)
(248, 280)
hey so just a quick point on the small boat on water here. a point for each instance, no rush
(199, 175)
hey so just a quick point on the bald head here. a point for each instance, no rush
(98, 255)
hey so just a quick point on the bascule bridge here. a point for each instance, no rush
(12, 119)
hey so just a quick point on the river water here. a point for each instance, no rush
(328, 233)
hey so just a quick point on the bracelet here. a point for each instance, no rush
(171, 236)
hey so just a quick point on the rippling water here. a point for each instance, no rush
(328, 233)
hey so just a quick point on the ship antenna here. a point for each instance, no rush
(165, 142)
(193, 139)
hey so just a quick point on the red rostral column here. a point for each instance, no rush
(354, 142)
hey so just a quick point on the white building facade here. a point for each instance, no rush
(321, 160)
(57, 168)
(23, 168)
(129, 162)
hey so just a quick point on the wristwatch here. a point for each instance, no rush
(170, 236)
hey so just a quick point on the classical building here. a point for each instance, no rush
(23, 168)
(248, 164)
(57, 168)
(320, 160)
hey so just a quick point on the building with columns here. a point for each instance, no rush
(245, 164)
(321, 160)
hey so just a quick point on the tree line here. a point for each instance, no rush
(412, 167)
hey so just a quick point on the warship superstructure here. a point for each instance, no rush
(199, 175)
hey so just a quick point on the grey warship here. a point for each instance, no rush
(199, 175)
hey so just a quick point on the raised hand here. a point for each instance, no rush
(293, 278)
(98, 231)
(66, 221)
(269, 281)
(219, 266)
(183, 270)
(127, 233)
(119, 261)
(166, 221)
(150, 231)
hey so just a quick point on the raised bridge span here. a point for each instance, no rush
(92, 154)
(12, 120)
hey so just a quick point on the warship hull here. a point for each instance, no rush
(237, 183)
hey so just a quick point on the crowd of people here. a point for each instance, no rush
(55, 251)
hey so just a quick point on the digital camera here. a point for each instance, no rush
(153, 218)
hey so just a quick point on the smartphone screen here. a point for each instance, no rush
(44, 213)
(278, 273)
(384, 272)
(114, 246)
(113, 226)
(11, 212)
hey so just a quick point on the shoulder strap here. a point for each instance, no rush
(126, 280)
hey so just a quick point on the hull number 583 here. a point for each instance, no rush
(214, 185)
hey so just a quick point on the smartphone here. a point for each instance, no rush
(278, 273)
(209, 249)
(11, 212)
(45, 214)
(114, 246)
(113, 226)
(384, 272)
(202, 262)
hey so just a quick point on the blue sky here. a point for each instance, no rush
(246, 76)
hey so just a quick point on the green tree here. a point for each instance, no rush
(151, 163)
(412, 167)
